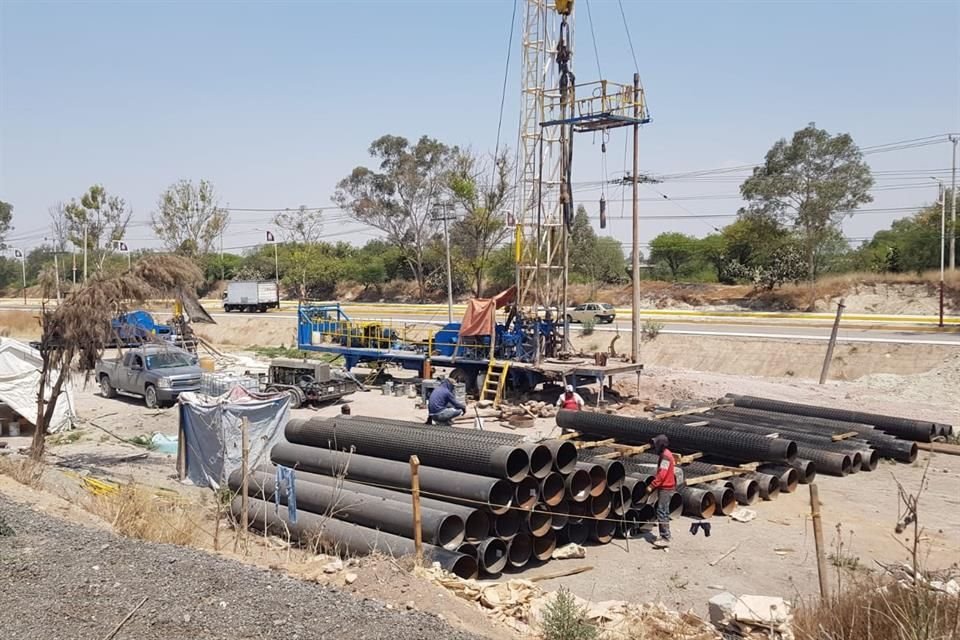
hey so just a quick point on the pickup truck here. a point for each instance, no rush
(158, 373)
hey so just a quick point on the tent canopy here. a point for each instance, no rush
(20, 381)
(481, 315)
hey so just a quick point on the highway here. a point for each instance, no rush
(787, 326)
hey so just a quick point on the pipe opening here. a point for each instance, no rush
(676, 505)
(913, 452)
(526, 493)
(450, 533)
(746, 491)
(790, 478)
(578, 510)
(465, 567)
(646, 517)
(560, 513)
(856, 462)
(621, 500)
(493, 555)
(576, 533)
(506, 525)
(870, 461)
(615, 475)
(541, 461)
(598, 479)
(468, 549)
(519, 550)
(543, 546)
(578, 485)
(602, 530)
(845, 465)
(708, 505)
(517, 465)
(476, 526)
(726, 501)
(564, 456)
(539, 520)
(638, 493)
(552, 489)
(600, 505)
(500, 497)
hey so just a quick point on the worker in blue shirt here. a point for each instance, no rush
(443, 405)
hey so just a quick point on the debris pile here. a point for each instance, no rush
(760, 617)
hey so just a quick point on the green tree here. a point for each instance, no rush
(592, 259)
(482, 227)
(399, 197)
(189, 218)
(100, 218)
(910, 244)
(6, 220)
(811, 182)
(676, 250)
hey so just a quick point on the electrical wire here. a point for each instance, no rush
(596, 51)
(503, 90)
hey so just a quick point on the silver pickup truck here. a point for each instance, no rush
(158, 373)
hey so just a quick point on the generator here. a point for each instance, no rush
(306, 381)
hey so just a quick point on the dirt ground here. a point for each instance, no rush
(771, 555)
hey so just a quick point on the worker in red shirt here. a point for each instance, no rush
(664, 483)
(570, 400)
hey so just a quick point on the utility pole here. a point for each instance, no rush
(943, 225)
(56, 266)
(953, 205)
(23, 271)
(635, 257)
(444, 207)
(85, 252)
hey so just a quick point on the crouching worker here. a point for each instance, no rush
(664, 483)
(443, 405)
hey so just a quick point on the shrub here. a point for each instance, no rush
(651, 329)
(587, 327)
(564, 620)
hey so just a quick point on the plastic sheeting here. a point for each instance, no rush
(480, 317)
(20, 380)
(210, 447)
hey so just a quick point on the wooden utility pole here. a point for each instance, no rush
(635, 256)
(818, 539)
(415, 492)
(833, 342)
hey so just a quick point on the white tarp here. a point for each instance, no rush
(210, 432)
(20, 381)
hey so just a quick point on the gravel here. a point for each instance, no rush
(62, 580)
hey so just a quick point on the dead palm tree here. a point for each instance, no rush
(79, 328)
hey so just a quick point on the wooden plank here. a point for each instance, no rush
(743, 468)
(417, 522)
(560, 574)
(689, 458)
(569, 435)
(940, 447)
(682, 412)
(720, 475)
(613, 455)
(595, 443)
(843, 436)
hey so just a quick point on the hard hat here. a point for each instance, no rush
(569, 388)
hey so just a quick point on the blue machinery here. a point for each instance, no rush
(324, 327)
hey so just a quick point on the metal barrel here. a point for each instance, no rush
(492, 555)
(749, 447)
(578, 484)
(544, 545)
(909, 429)
(598, 477)
(437, 527)
(474, 490)
(698, 503)
(519, 550)
(345, 536)
(399, 443)
(476, 521)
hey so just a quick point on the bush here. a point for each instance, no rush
(564, 620)
(651, 329)
(587, 327)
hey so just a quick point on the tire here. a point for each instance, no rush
(150, 397)
(106, 389)
(598, 319)
(296, 398)
(261, 309)
(461, 375)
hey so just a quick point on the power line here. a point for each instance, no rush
(596, 51)
(503, 90)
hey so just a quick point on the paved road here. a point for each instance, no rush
(900, 329)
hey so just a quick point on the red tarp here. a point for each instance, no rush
(480, 317)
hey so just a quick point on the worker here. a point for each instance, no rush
(570, 400)
(664, 483)
(443, 405)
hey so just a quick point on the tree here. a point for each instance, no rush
(399, 198)
(6, 218)
(98, 217)
(189, 218)
(910, 244)
(302, 225)
(676, 250)
(593, 260)
(482, 228)
(811, 182)
(59, 226)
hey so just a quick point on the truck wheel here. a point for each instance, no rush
(150, 397)
(296, 398)
(106, 389)
(262, 309)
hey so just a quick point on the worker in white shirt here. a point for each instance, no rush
(570, 400)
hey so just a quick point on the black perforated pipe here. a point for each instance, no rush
(745, 446)
(906, 428)
(434, 449)
(346, 537)
(497, 495)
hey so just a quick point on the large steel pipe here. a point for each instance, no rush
(698, 503)
(906, 428)
(638, 491)
(544, 545)
(399, 443)
(615, 471)
(601, 505)
(492, 554)
(560, 514)
(726, 502)
(539, 520)
(579, 511)
(468, 549)
(578, 485)
(647, 516)
(506, 525)
(476, 521)
(621, 500)
(790, 475)
(552, 489)
(676, 504)
(437, 527)
(832, 463)
(519, 550)
(745, 490)
(601, 531)
(598, 477)
(746, 446)
(527, 492)
(767, 483)
(575, 533)
(344, 536)
(496, 494)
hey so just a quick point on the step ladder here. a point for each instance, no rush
(495, 381)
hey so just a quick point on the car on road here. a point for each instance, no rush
(157, 373)
(596, 311)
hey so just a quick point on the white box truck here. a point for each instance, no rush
(251, 295)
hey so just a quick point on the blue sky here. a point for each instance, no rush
(275, 102)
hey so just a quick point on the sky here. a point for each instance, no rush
(274, 102)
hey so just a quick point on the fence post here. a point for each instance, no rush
(818, 539)
(415, 491)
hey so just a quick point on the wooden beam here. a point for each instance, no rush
(613, 455)
(720, 475)
(595, 443)
(687, 412)
(843, 436)
(569, 435)
(690, 458)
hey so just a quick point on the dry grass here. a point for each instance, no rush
(23, 470)
(880, 610)
(19, 324)
(136, 512)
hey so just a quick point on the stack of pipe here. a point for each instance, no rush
(489, 501)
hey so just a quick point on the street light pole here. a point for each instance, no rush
(942, 193)
(23, 273)
(85, 252)
(953, 205)
(444, 206)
